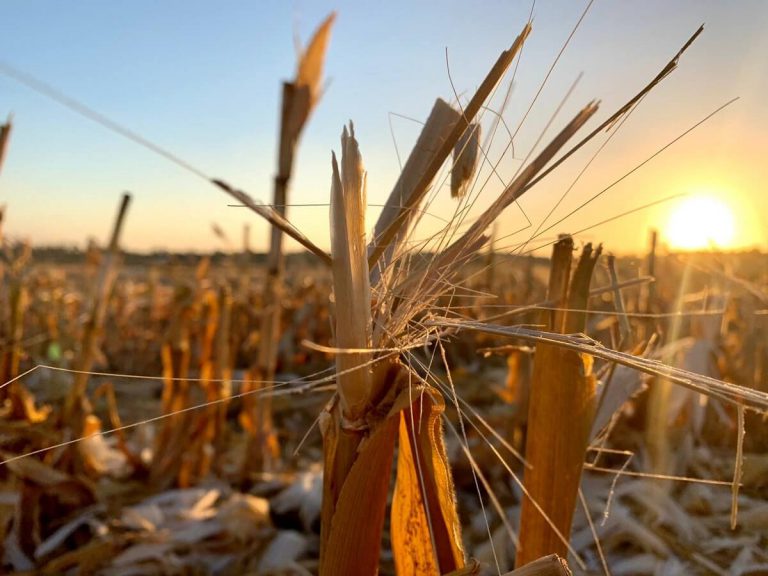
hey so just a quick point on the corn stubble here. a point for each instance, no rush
(382, 403)
(299, 99)
(385, 412)
(560, 414)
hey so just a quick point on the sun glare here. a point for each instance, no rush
(700, 222)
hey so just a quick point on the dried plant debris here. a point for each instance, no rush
(335, 414)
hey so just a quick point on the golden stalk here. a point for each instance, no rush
(560, 414)
(11, 355)
(343, 435)
(222, 367)
(176, 357)
(351, 287)
(77, 404)
(299, 99)
(374, 407)
(21, 400)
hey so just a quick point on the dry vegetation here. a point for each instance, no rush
(435, 407)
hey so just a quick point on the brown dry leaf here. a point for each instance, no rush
(161, 552)
(26, 523)
(143, 517)
(282, 552)
(755, 470)
(421, 432)
(14, 554)
(303, 496)
(35, 471)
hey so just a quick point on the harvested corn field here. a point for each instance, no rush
(428, 385)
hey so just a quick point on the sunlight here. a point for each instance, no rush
(700, 222)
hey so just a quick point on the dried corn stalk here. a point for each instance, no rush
(5, 135)
(77, 404)
(560, 414)
(355, 484)
(439, 126)
(391, 231)
(171, 442)
(361, 428)
(356, 477)
(351, 287)
(22, 402)
(299, 99)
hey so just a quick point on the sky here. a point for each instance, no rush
(203, 80)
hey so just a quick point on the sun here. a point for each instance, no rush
(700, 222)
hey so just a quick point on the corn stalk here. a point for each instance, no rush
(171, 442)
(299, 99)
(5, 135)
(373, 409)
(350, 540)
(378, 404)
(560, 413)
(77, 405)
(379, 400)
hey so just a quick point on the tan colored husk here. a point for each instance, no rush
(425, 527)
(356, 475)
(351, 288)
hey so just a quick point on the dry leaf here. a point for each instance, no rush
(421, 445)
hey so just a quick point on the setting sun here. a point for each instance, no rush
(700, 222)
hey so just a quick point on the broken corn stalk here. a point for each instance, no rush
(560, 414)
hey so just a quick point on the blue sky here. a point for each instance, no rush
(203, 80)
